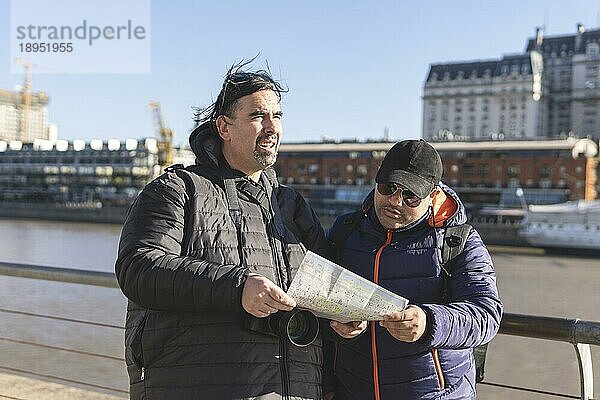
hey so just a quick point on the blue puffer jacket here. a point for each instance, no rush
(440, 364)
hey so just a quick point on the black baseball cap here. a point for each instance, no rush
(413, 164)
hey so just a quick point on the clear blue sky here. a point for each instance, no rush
(352, 67)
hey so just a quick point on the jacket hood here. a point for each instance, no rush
(207, 145)
(448, 209)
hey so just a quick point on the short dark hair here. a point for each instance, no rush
(238, 83)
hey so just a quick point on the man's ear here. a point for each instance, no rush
(223, 128)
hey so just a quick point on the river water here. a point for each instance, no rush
(63, 244)
(530, 283)
(50, 344)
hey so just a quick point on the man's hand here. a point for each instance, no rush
(348, 330)
(261, 297)
(407, 325)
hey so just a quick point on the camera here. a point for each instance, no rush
(299, 327)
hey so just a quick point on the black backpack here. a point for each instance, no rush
(455, 238)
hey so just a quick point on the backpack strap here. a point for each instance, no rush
(192, 184)
(453, 244)
(233, 202)
(455, 238)
(340, 232)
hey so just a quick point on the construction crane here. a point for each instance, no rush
(165, 137)
(24, 131)
(26, 95)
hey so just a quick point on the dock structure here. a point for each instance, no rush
(56, 355)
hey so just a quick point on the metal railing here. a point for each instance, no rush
(93, 278)
(68, 275)
(581, 334)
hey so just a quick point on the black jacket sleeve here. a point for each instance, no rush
(301, 219)
(150, 269)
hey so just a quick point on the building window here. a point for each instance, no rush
(335, 170)
(514, 170)
(591, 50)
(484, 170)
(545, 170)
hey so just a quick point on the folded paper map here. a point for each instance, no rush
(331, 291)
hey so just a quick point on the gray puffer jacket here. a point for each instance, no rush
(182, 264)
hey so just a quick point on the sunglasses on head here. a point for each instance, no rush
(408, 197)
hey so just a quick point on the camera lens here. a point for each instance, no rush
(301, 327)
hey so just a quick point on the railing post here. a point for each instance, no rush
(586, 375)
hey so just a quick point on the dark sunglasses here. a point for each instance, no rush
(408, 197)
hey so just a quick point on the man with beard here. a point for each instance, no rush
(399, 241)
(208, 251)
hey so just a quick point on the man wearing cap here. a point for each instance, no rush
(425, 350)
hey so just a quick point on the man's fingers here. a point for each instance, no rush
(261, 297)
(396, 316)
(361, 325)
(397, 325)
(282, 300)
(409, 326)
(348, 330)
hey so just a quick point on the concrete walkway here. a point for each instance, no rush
(16, 387)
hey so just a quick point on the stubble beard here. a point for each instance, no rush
(265, 158)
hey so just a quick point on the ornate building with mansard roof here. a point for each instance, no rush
(551, 90)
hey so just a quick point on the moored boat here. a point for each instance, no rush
(571, 225)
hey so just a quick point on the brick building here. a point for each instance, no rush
(486, 172)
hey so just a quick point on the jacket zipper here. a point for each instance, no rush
(282, 344)
(285, 386)
(388, 240)
(143, 375)
(438, 369)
